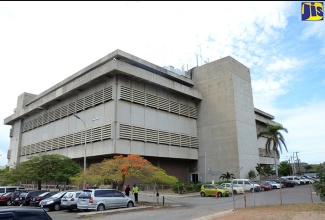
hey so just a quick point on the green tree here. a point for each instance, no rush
(274, 141)
(308, 168)
(320, 186)
(227, 176)
(264, 170)
(285, 168)
(52, 167)
(251, 174)
(120, 168)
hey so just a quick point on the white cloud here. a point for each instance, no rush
(305, 126)
(283, 64)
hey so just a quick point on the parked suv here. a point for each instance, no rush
(101, 199)
(293, 178)
(16, 194)
(34, 202)
(70, 199)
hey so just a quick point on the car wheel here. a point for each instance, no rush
(202, 194)
(251, 190)
(219, 194)
(235, 192)
(9, 202)
(70, 209)
(56, 207)
(130, 205)
(101, 207)
(274, 187)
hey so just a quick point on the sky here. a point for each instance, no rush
(43, 43)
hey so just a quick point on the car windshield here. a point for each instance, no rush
(220, 187)
(85, 194)
(68, 195)
(44, 194)
(7, 194)
(58, 195)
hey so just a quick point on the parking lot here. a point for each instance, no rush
(192, 206)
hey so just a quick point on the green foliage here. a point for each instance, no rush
(320, 186)
(181, 187)
(227, 176)
(308, 168)
(52, 167)
(178, 187)
(285, 168)
(251, 174)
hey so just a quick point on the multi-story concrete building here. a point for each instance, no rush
(196, 126)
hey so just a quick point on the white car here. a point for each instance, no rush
(237, 189)
(275, 185)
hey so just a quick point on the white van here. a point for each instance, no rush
(293, 178)
(5, 189)
(247, 185)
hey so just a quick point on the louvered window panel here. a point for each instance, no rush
(30, 125)
(138, 133)
(34, 123)
(71, 109)
(32, 149)
(151, 100)
(193, 112)
(108, 93)
(174, 139)
(78, 138)
(183, 110)
(89, 101)
(126, 93)
(125, 131)
(27, 150)
(62, 142)
(98, 97)
(164, 137)
(163, 104)
(194, 142)
(23, 151)
(88, 135)
(79, 105)
(55, 143)
(24, 127)
(151, 136)
(38, 147)
(40, 120)
(45, 119)
(97, 134)
(64, 111)
(69, 140)
(185, 141)
(107, 132)
(138, 97)
(48, 145)
(43, 146)
(174, 107)
(57, 114)
(51, 116)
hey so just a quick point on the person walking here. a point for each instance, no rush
(135, 193)
(127, 190)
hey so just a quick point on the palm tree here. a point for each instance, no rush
(273, 135)
(227, 176)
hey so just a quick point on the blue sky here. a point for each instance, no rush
(42, 43)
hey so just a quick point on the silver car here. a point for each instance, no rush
(70, 199)
(101, 199)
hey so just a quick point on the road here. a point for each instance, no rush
(194, 206)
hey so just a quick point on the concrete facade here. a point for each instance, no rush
(196, 126)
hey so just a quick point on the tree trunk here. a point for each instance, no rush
(39, 185)
(276, 165)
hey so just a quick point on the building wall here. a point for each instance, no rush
(226, 125)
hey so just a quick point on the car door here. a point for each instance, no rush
(120, 199)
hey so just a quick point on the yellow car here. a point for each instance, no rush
(212, 190)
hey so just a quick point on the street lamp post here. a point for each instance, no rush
(85, 154)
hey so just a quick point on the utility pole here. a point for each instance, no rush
(298, 162)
